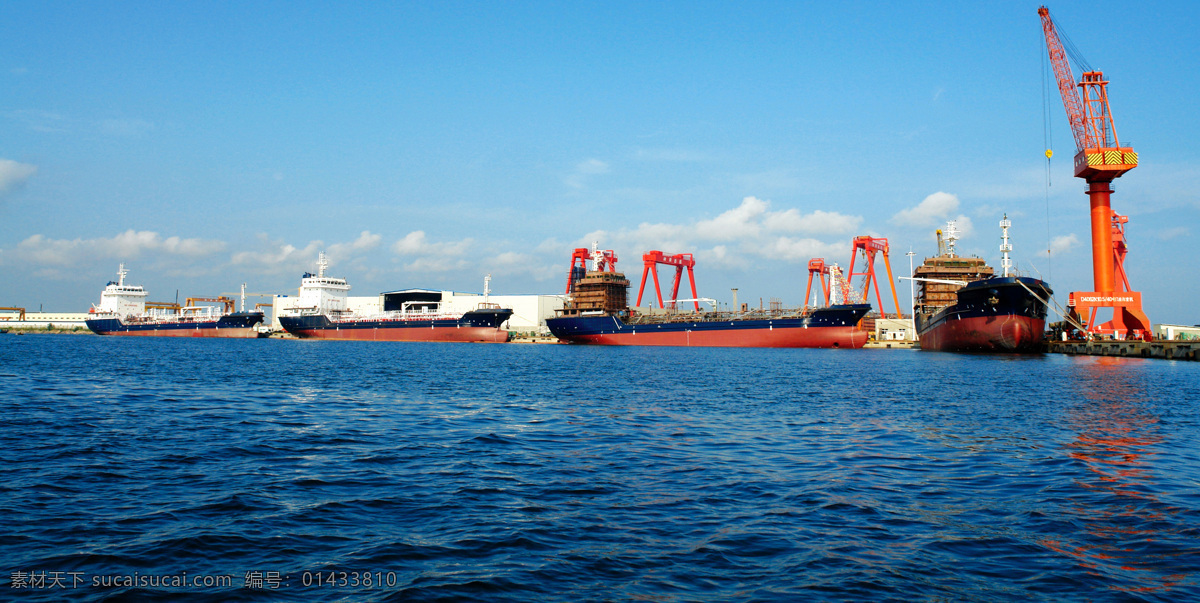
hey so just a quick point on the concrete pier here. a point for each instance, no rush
(1167, 350)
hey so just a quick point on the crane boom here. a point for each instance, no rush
(1099, 156)
(1066, 79)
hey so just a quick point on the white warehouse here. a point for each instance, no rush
(529, 311)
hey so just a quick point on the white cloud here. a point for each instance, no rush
(933, 210)
(428, 256)
(742, 221)
(14, 174)
(365, 241)
(592, 166)
(1062, 244)
(279, 257)
(749, 230)
(130, 244)
(584, 170)
(1171, 233)
(825, 222)
(39, 121)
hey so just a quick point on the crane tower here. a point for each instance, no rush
(1099, 159)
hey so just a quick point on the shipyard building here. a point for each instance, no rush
(529, 311)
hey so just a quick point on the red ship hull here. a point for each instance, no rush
(462, 334)
(998, 333)
(825, 337)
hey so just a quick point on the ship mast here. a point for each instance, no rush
(1005, 247)
(951, 237)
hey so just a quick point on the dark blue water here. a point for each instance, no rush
(564, 473)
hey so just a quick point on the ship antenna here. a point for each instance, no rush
(951, 238)
(321, 264)
(121, 272)
(487, 287)
(1005, 247)
(597, 257)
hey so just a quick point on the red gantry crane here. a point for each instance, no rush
(817, 267)
(1099, 159)
(680, 261)
(869, 247)
(603, 261)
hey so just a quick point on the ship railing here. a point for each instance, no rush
(673, 317)
(398, 316)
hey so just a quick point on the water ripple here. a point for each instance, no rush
(510, 473)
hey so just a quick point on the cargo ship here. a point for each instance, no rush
(597, 312)
(963, 306)
(322, 313)
(123, 310)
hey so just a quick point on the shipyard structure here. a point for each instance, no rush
(323, 309)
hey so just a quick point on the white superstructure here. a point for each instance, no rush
(327, 295)
(121, 299)
(321, 294)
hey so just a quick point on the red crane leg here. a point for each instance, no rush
(692, 280)
(675, 285)
(892, 283)
(642, 287)
(1102, 253)
(657, 289)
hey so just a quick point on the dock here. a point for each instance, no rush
(1166, 350)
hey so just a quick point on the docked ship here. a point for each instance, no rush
(321, 312)
(963, 306)
(597, 312)
(123, 310)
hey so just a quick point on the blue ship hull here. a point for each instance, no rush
(236, 325)
(477, 325)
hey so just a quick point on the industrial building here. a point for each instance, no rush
(529, 311)
(18, 318)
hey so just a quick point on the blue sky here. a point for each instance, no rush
(427, 144)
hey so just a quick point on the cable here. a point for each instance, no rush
(1049, 145)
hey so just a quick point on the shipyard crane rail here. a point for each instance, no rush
(1099, 159)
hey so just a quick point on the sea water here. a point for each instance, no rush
(266, 470)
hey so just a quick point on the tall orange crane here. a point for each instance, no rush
(1099, 159)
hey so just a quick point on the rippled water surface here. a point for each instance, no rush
(567, 473)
